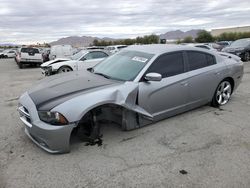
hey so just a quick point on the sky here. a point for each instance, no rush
(32, 21)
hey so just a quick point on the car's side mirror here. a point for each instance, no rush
(153, 76)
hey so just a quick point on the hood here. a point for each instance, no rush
(54, 61)
(57, 89)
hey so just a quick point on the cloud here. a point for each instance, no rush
(30, 21)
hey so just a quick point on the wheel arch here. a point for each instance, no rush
(111, 111)
(231, 80)
(68, 66)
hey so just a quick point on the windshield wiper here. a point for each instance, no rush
(101, 74)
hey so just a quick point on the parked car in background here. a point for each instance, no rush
(240, 48)
(223, 44)
(8, 54)
(134, 87)
(29, 56)
(61, 51)
(224, 54)
(115, 48)
(81, 60)
(205, 46)
(47, 65)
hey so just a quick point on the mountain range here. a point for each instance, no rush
(178, 34)
(79, 41)
(87, 40)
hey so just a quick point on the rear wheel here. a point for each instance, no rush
(64, 69)
(222, 94)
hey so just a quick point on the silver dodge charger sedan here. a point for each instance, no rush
(133, 88)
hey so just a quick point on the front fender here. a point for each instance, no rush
(124, 95)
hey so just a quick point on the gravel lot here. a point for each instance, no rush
(206, 147)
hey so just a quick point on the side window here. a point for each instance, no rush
(99, 55)
(210, 60)
(95, 55)
(88, 56)
(196, 60)
(168, 65)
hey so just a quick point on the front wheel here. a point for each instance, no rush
(222, 94)
(64, 69)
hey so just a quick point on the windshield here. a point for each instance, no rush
(78, 55)
(123, 66)
(240, 43)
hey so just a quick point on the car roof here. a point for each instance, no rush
(163, 48)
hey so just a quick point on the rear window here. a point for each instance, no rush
(30, 50)
(199, 60)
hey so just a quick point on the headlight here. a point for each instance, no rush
(54, 118)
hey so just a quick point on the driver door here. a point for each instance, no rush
(169, 96)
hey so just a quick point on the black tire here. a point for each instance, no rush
(216, 101)
(246, 56)
(64, 69)
(20, 65)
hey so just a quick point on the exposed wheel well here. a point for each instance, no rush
(103, 114)
(102, 110)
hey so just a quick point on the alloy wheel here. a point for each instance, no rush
(223, 93)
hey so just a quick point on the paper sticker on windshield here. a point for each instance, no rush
(140, 59)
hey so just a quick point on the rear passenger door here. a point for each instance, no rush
(204, 76)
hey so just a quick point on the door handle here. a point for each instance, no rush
(184, 83)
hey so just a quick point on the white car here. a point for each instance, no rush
(82, 60)
(115, 48)
(30, 56)
(8, 54)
